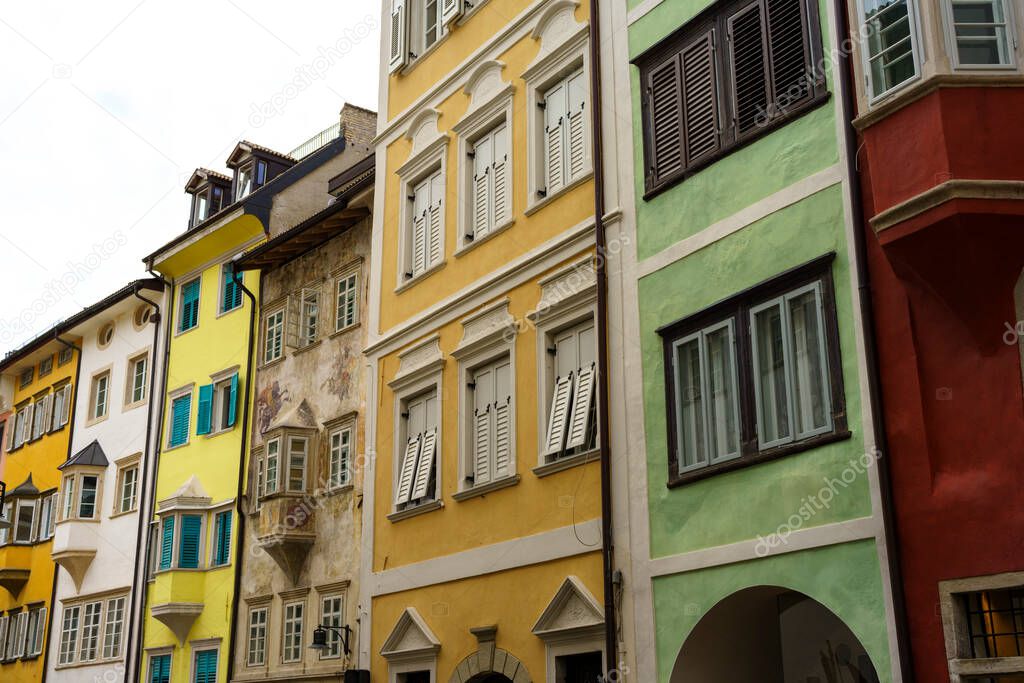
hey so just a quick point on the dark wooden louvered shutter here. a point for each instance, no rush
(748, 57)
(665, 120)
(789, 52)
(700, 98)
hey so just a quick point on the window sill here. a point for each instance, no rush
(539, 204)
(347, 328)
(745, 461)
(221, 314)
(97, 420)
(115, 515)
(415, 511)
(180, 332)
(562, 464)
(338, 490)
(80, 520)
(418, 278)
(132, 406)
(177, 446)
(82, 665)
(484, 489)
(272, 363)
(219, 432)
(469, 246)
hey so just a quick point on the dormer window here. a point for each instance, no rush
(251, 177)
(208, 190)
(201, 209)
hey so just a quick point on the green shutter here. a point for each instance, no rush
(189, 306)
(160, 669)
(188, 552)
(222, 534)
(167, 543)
(231, 296)
(204, 415)
(233, 401)
(206, 666)
(180, 410)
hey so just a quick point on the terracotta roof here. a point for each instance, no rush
(200, 175)
(241, 148)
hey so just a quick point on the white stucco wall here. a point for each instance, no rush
(121, 434)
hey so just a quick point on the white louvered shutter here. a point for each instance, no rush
(399, 54)
(583, 397)
(482, 156)
(48, 418)
(500, 178)
(576, 144)
(19, 636)
(559, 415)
(451, 10)
(3, 636)
(65, 413)
(292, 320)
(26, 428)
(502, 420)
(482, 445)
(435, 220)
(418, 235)
(425, 468)
(408, 471)
(37, 646)
(11, 426)
(554, 138)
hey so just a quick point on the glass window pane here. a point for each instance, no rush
(723, 422)
(689, 394)
(888, 29)
(772, 391)
(810, 381)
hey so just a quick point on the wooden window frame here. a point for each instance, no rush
(716, 19)
(249, 638)
(737, 308)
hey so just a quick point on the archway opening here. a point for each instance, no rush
(772, 635)
(489, 678)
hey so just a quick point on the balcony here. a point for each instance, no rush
(286, 530)
(74, 547)
(178, 598)
(15, 564)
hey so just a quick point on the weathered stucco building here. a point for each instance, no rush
(300, 557)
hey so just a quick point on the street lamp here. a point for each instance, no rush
(320, 636)
(4, 522)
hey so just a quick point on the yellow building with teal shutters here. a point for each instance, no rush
(192, 565)
(483, 545)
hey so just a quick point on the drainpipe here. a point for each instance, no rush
(133, 649)
(151, 503)
(846, 85)
(607, 548)
(56, 572)
(242, 457)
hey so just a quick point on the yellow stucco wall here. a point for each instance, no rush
(40, 459)
(218, 343)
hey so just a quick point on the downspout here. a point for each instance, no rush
(56, 571)
(133, 648)
(151, 503)
(607, 547)
(242, 458)
(846, 85)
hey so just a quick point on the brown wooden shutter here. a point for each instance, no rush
(700, 98)
(748, 58)
(665, 118)
(789, 51)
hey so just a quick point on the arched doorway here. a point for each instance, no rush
(489, 678)
(772, 635)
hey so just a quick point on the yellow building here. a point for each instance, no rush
(485, 525)
(38, 383)
(200, 512)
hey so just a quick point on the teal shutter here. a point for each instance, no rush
(222, 534)
(167, 543)
(180, 410)
(160, 669)
(189, 306)
(206, 666)
(233, 401)
(231, 296)
(204, 414)
(188, 555)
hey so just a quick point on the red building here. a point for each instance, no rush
(940, 122)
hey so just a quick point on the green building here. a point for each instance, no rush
(749, 493)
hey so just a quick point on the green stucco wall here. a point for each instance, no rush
(845, 578)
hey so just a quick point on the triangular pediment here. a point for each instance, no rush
(297, 417)
(190, 494)
(410, 636)
(573, 610)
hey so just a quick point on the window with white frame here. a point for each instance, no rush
(347, 309)
(65, 355)
(35, 631)
(273, 460)
(890, 30)
(89, 642)
(309, 317)
(41, 415)
(135, 392)
(491, 422)
(25, 522)
(791, 394)
(417, 470)
(22, 426)
(298, 456)
(182, 540)
(224, 408)
(273, 336)
(127, 488)
(332, 613)
(47, 516)
(61, 410)
(69, 634)
(113, 628)
(490, 184)
(257, 647)
(80, 492)
(99, 396)
(292, 646)
(425, 229)
(17, 626)
(5, 532)
(46, 366)
(564, 144)
(340, 442)
(981, 32)
(571, 426)
(204, 665)
(417, 25)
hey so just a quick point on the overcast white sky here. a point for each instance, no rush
(107, 107)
